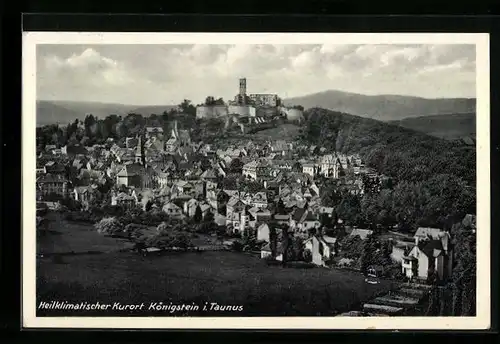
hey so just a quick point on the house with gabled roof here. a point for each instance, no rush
(432, 252)
(154, 131)
(52, 184)
(190, 207)
(282, 219)
(362, 233)
(323, 248)
(130, 175)
(209, 174)
(259, 200)
(123, 199)
(234, 205)
(173, 210)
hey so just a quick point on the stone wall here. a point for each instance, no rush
(242, 110)
(213, 111)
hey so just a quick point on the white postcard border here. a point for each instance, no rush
(29, 319)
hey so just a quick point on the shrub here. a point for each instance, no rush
(162, 227)
(307, 255)
(108, 225)
(237, 246)
(134, 230)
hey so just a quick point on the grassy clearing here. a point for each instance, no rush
(286, 132)
(227, 278)
(224, 277)
(75, 237)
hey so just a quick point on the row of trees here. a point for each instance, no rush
(166, 235)
(94, 130)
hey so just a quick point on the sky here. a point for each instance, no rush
(167, 74)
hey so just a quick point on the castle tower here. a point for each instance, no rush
(243, 90)
(243, 86)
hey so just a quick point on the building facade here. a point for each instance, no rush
(265, 99)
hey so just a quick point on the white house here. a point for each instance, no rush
(308, 168)
(263, 232)
(329, 166)
(432, 252)
(322, 248)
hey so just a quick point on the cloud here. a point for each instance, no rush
(147, 74)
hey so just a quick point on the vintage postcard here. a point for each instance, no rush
(256, 181)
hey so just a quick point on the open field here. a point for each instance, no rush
(184, 278)
(65, 236)
(227, 278)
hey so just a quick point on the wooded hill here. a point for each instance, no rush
(433, 179)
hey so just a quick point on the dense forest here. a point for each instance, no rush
(433, 180)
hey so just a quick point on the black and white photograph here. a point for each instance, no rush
(256, 180)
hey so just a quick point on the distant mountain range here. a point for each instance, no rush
(383, 107)
(64, 112)
(446, 126)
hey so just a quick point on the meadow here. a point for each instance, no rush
(110, 274)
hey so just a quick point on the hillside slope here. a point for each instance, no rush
(450, 127)
(50, 113)
(64, 112)
(432, 182)
(399, 152)
(383, 107)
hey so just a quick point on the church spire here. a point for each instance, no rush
(139, 157)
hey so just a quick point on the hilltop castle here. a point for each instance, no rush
(256, 107)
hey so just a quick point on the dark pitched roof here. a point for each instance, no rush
(132, 170)
(298, 213)
(431, 248)
(310, 216)
(52, 178)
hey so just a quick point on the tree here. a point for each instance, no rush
(297, 249)
(198, 215)
(273, 239)
(368, 255)
(162, 227)
(236, 166)
(170, 240)
(280, 207)
(463, 279)
(287, 247)
(307, 255)
(134, 230)
(109, 226)
(209, 217)
(187, 107)
(209, 101)
(88, 122)
(149, 205)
